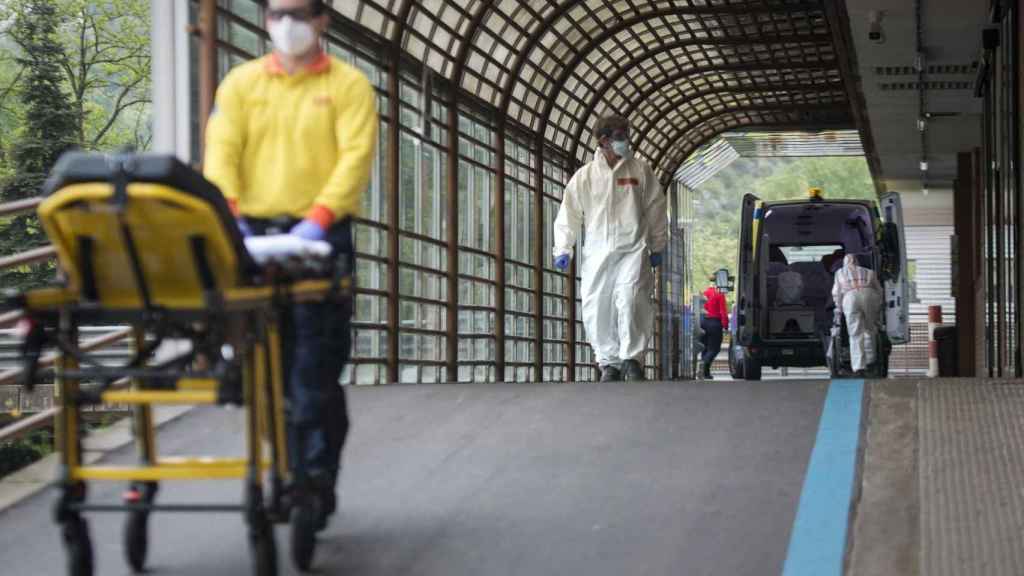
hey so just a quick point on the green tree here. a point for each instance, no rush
(49, 129)
(105, 65)
(717, 205)
(11, 110)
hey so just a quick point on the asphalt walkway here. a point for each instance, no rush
(695, 478)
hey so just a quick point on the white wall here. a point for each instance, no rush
(929, 246)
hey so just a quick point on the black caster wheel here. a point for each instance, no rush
(305, 520)
(75, 532)
(136, 540)
(264, 550)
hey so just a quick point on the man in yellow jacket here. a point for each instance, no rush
(290, 144)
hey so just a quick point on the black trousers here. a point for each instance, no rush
(712, 339)
(316, 342)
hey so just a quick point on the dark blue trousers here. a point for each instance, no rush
(316, 345)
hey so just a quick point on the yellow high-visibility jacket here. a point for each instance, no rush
(297, 145)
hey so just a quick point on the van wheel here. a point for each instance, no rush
(735, 364)
(751, 368)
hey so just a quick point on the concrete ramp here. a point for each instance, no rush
(695, 478)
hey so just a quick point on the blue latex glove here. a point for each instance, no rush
(562, 262)
(308, 230)
(243, 227)
(656, 259)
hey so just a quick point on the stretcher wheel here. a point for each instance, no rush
(136, 540)
(305, 517)
(263, 549)
(835, 361)
(75, 532)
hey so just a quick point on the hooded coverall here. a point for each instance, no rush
(623, 210)
(857, 292)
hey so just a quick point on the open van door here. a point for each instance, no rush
(746, 303)
(895, 282)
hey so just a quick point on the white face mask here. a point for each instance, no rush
(621, 149)
(292, 37)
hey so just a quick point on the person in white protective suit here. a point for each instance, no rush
(858, 294)
(620, 203)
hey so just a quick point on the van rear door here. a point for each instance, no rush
(897, 321)
(746, 302)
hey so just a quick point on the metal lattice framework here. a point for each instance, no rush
(683, 71)
(486, 110)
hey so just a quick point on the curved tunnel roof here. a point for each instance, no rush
(682, 71)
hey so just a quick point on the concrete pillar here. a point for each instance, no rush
(172, 110)
(967, 264)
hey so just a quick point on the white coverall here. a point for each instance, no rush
(857, 292)
(624, 213)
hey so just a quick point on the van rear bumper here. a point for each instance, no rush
(797, 354)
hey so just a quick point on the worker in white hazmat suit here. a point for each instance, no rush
(618, 200)
(858, 294)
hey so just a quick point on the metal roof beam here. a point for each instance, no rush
(703, 119)
(790, 127)
(563, 9)
(582, 53)
(800, 88)
(821, 39)
(686, 73)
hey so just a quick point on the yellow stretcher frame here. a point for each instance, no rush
(159, 256)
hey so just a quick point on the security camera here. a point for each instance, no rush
(875, 32)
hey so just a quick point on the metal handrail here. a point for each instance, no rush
(23, 426)
(19, 206)
(28, 257)
(11, 318)
(9, 376)
(43, 253)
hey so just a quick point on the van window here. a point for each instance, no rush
(811, 224)
(812, 253)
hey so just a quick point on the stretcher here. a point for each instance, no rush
(838, 357)
(143, 240)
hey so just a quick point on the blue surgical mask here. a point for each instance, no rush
(621, 148)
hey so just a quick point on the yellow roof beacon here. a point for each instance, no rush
(815, 194)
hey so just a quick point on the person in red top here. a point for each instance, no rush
(714, 323)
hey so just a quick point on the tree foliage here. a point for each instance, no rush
(49, 130)
(73, 73)
(717, 201)
(105, 65)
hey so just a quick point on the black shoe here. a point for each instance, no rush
(632, 371)
(327, 500)
(610, 374)
(706, 372)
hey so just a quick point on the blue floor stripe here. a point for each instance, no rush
(818, 539)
